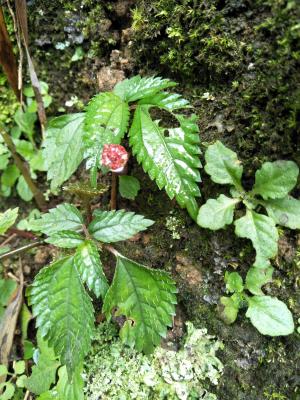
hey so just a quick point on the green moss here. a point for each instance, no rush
(117, 372)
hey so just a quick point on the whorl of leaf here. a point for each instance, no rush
(147, 298)
(171, 160)
(63, 311)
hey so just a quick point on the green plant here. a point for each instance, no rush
(273, 182)
(23, 138)
(168, 155)
(63, 307)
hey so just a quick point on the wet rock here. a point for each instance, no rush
(188, 271)
(108, 77)
(122, 7)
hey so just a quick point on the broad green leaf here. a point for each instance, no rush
(25, 121)
(65, 239)
(7, 219)
(173, 160)
(113, 226)
(223, 165)
(3, 370)
(7, 287)
(215, 214)
(10, 175)
(7, 389)
(256, 278)
(230, 310)
(64, 311)
(261, 230)
(4, 158)
(23, 189)
(129, 186)
(137, 88)
(63, 147)
(63, 217)
(24, 148)
(285, 212)
(43, 375)
(274, 180)
(49, 395)
(106, 119)
(37, 163)
(270, 316)
(234, 282)
(19, 367)
(146, 298)
(89, 266)
(70, 390)
(167, 101)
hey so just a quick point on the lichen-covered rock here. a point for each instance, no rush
(113, 371)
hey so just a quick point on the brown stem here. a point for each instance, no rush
(23, 234)
(111, 250)
(22, 166)
(113, 193)
(20, 249)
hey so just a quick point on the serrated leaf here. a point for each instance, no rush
(285, 212)
(172, 161)
(129, 186)
(137, 88)
(261, 230)
(113, 226)
(147, 298)
(215, 214)
(10, 175)
(274, 180)
(23, 189)
(234, 282)
(223, 165)
(65, 239)
(63, 147)
(70, 390)
(64, 311)
(89, 266)
(43, 375)
(7, 219)
(167, 101)
(63, 217)
(257, 277)
(270, 316)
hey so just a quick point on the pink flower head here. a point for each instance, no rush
(114, 157)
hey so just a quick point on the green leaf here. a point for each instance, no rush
(10, 175)
(3, 370)
(223, 165)
(274, 180)
(64, 311)
(106, 119)
(63, 147)
(23, 189)
(63, 217)
(137, 88)
(70, 390)
(19, 367)
(8, 392)
(167, 101)
(129, 186)
(25, 121)
(230, 310)
(261, 230)
(43, 375)
(285, 212)
(7, 219)
(113, 226)
(270, 316)
(256, 278)
(65, 239)
(89, 266)
(234, 282)
(215, 214)
(24, 148)
(7, 287)
(172, 161)
(147, 298)
(4, 158)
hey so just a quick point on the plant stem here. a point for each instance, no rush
(113, 193)
(111, 250)
(21, 249)
(22, 166)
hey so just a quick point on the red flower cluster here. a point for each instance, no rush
(114, 157)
